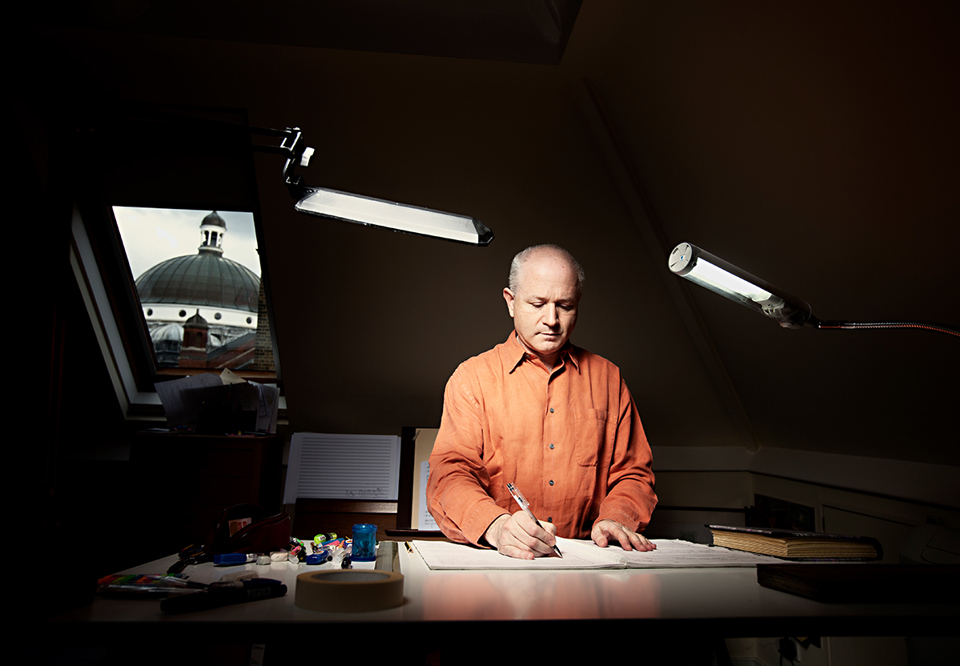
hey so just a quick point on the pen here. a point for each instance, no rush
(522, 501)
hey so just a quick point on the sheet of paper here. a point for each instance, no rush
(175, 397)
(359, 467)
(425, 519)
(584, 554)
(673, 554)
(268, 407)
(446, 555)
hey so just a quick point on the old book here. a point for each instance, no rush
(792, 544)
(864, 582)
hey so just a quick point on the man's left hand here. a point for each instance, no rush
(606, 530)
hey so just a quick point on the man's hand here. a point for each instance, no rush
(518, 536)
(605, 530)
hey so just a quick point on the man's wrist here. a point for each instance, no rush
(492, 534)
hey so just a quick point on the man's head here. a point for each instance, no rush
(542, 296)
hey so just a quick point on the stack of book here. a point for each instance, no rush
(796, 545)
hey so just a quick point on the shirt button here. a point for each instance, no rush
(551, 482)
(549, 519)
(551, 410)
(551, 446)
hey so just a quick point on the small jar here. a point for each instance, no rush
(364, 542)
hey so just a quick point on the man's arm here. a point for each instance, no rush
(457, 489)
(630, 498)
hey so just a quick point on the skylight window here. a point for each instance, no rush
(197, 279)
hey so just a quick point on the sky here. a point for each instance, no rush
(152, 235)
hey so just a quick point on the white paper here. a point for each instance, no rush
(584, 554)
(268, 407)
(425, 520)
(358, 467)
(177, 406)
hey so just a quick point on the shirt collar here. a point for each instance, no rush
(514, 354)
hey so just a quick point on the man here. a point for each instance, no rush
(553, 419)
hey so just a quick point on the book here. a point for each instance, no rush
(584, 554)
(796, 545)
(849, 582)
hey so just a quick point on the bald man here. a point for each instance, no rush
(553, 419)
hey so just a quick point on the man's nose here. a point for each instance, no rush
(550, 316)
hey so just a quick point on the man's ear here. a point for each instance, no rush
(509, 298)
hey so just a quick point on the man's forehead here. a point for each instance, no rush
(550, 265)
(569, 299)
(566, 294)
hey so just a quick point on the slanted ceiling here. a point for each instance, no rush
(531, 31)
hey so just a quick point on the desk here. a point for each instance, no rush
(659, 603)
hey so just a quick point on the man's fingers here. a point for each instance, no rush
(630, 540)
(638, 542)
(521, 534)
(551, 529)
(605, 530)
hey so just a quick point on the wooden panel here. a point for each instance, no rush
(336, 516)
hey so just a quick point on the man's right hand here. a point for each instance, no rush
(519, 536)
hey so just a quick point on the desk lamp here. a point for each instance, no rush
(366, 210)
(168, 127)
(723, 278)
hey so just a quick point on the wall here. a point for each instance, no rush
(811, 145)
(849, 495)
(373, 322)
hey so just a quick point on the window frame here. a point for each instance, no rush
(99, 264)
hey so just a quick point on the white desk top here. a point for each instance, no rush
(725, 601)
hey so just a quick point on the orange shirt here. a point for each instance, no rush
(570, 440)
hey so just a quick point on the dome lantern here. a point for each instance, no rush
(212, 229)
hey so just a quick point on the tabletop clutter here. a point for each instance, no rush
(179, 594)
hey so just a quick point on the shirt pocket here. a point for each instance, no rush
(590, 429)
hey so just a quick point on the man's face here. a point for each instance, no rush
(544, 307)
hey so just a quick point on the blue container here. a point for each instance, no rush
(364, 542)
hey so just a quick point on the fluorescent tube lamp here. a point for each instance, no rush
(367, 210)
(391, 215)
(723, 278)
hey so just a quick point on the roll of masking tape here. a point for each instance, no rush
(349, 591)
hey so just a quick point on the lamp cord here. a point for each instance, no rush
(925, 325)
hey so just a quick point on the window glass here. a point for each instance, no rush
(197, 276)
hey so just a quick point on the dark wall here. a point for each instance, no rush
(814, 146)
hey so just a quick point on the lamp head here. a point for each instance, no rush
(390, 215)
(723, 278)
(360, 209)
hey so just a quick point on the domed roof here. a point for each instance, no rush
(215, 219)
(171, 332)
(202, 279)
